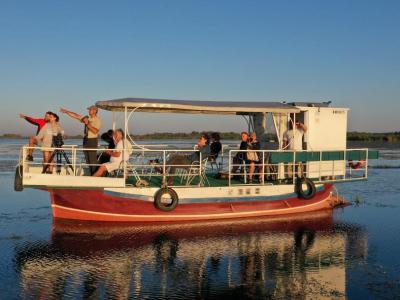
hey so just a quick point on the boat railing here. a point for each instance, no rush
(153, 166)
(285, 166)
(148, 164)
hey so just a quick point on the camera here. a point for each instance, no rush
(58, 141)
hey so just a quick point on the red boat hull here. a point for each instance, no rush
(95, 205)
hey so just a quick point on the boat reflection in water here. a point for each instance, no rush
(293, 257)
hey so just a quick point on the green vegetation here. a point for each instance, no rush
(391, 137)
(12, 136)
(374, 137)
(182, 136)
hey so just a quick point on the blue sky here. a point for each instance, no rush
(73, 53)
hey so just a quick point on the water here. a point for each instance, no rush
(352, 253)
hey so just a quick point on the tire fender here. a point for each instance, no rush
(18, 186)
(308, 192)
(158, 203)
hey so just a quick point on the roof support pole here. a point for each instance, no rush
(260, 127)
(113, 121)
(125, 133)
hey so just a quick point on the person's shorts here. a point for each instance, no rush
(112, 166)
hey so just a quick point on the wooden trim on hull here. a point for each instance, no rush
(96, 206)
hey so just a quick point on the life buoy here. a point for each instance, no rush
(357, 165)
(164, 204)
(18, 186)
(305, 188)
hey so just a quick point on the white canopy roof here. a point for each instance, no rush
(195, 107)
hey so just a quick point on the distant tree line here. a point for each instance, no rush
(182, 135)
(374, 137)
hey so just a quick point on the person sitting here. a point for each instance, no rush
(185, 161)
(240, 156)
(253, 156)
(108, 138)
(40, 123)
(215, 146)
(116, 155)
(45, 140)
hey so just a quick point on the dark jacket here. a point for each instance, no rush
(216, 148)
(205, 152)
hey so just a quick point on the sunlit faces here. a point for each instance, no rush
(202, 141)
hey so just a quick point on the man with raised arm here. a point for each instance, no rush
(40, 124)
(91, 133)
(293, 141)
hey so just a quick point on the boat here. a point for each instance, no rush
(290, 182)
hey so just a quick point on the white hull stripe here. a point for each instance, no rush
(225, 199)
(189, 216)
(203, 199)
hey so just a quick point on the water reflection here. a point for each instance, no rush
(297, 257)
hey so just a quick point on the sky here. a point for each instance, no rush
(73, 53)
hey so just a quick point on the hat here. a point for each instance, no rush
(93, 106)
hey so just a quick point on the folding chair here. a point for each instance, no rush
(197, 169)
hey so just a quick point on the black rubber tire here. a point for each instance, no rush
(18, 186)
(163, 206)
(308, 193)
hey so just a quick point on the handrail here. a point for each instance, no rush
(139, 161)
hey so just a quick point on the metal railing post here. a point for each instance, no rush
(345, 164)
(366, 163)
(229, 168)
(164, 168)
(200, 168)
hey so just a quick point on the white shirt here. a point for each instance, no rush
(119, 146)
(295, 140)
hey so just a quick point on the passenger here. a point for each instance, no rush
(253, 157)
(108, 138)
(293, 141)
(39, 123)
(240, 156)
(45, 140)
(116, 155)
(185, 161)
(91, 133)
(215, 146)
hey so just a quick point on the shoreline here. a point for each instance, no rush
(388, 137)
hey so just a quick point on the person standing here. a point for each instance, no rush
(253, 157)
(45, 139)
(91, 133)
(293, 138)
(40, 123)
(293, 141)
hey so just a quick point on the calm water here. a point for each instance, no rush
(352, 253)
